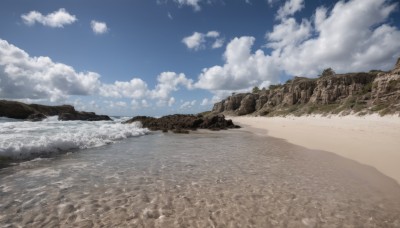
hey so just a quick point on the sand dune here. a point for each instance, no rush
(371, 140)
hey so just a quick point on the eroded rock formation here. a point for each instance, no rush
(362, 93)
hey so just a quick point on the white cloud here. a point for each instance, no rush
(23, 76)
(192, 3)
(57, 19)
(120, 104)
(188, 104)
(170, 16)
(289, 8)
(169, 82)
(205, 102)
(353, 36)
(135, 104)
(242, 69)
(135, 88)
(197, 40)
(145, 104)
(272, 2)
(117, 104)
(289, 32)
(218, 43)
(171, 101)
(99, 27)
(213, 34)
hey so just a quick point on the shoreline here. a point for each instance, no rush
(371, 140)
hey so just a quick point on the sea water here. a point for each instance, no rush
(26, 140)
(204, 179)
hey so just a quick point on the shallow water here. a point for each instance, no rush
(214, 179)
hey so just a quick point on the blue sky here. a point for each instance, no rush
(180, 56)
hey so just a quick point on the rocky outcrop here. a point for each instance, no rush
(87, 116)
(362, 93)
(36, 112)
(182, 123)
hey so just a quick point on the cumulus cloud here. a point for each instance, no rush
(25, 77)
(171, 101)
(218, 43)
(99, 27)
(57, 19)
(353, 36)
(22, 76)
(206, 102)
(135, 88)
(197, 40)
(188, 104)
(242, 68)
(213, 34)
(192, 3)
(289, 8)
(116, 104)
(169, 82)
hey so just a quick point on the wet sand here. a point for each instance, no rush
(214, 179)
(370, 140)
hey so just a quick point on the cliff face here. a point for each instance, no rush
(361, 93)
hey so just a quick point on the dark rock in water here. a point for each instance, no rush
(36, 117)
(182, 123)
(88, 116)
(16, 110)
(36, 112)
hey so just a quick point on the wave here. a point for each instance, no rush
(23, 140)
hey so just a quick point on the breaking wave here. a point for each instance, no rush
(23, 139)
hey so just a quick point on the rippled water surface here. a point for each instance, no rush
(213, 179)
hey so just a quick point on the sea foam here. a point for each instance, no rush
(23, 139)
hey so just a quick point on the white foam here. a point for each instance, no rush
(32, 139)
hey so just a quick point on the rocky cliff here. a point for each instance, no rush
(36, 112)
(361, 93)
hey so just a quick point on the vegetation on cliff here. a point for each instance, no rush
(360, 93)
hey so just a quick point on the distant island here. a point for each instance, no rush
(352, 93)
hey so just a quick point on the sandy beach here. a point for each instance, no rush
(370, 140)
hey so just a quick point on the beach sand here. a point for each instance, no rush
(370, 140)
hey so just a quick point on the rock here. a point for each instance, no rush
(36, 112)
(88, 116)
(36, 117)
(248, 104)
(219, 107)
(179, 123)
(14, 109)
(375, 91)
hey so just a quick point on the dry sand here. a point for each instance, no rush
(370, 140)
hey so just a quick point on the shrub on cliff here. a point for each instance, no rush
(328, 72)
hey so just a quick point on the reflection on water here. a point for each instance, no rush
(217, 179)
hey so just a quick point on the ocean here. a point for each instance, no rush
(107, 174)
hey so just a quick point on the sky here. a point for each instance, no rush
(144, 57)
